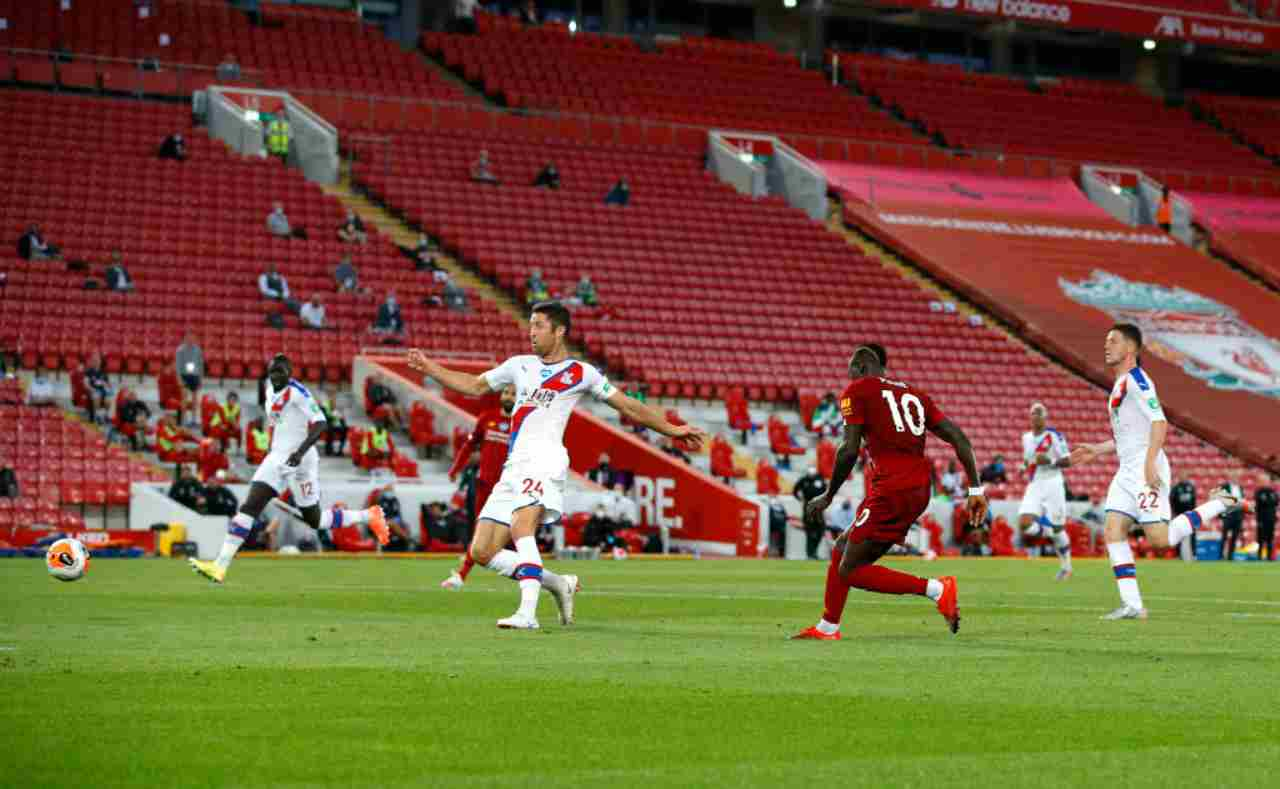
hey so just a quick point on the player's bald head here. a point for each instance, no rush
(868, 359)
(1038, 408)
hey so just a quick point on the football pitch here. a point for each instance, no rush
(344, 673)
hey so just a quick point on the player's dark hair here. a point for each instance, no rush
(279, 358)
(1131, 331)
(555, 312)
(882, 355)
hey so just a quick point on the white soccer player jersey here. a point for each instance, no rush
(545, 396)
(291, 411)
(1133, 407)
(1051, 443)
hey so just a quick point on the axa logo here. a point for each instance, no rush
(1170, 25)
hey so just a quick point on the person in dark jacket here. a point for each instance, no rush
(548, 178)
(1264, 509)
(808, 488)
(619, 195)
(174, 147)
(32, 246)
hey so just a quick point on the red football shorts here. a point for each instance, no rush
(886, 517)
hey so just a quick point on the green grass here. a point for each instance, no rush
(364, 673)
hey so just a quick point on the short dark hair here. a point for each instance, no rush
(882, 355)
(1131, 331)
(555, 312)
(279, 358)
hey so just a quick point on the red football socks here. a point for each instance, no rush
(875, 578)
(870, 577)
(467, 564)
(837, 591)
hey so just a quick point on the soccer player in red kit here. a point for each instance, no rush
(891, 418)
(491, 436)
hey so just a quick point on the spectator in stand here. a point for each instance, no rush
(211, 462)
(548, 177)
(41, 391)
(32, 246)
(117, 276)
(389, 321)
(274, 287)
(312, 313)
(352, 229)
(994, 472)
(455, 298)
(464, 16)
(386, 407)
(619, 195)
(482, 170)
(391, 511)
(528, 14)
(99, 389)
(1232, 521)
(132, 412)
(535, 289)
(1164, 212)
(778, 522)
(187, 490)
(826, 419)
(346, 277)
(174, 147)
(598, 532)
(603, 473)
(219, 500)
(224, 425)
(952, 483)
(259, 443)
(377, 444)
(1264, 510)
(337, 429)
(278, 224)
(807, 488)
(423, 255)
(229, 68)
(190, 365)
(585, 293)
(170, 441)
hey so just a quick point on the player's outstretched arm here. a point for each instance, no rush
(951, 433)
(465, 383)
(1087, 453)
(643, 414)
(846, 459)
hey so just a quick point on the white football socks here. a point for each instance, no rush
(336, 519)
(826, 628)
(933, 590)
(1062, 544)
(1126, 573)
(529, 575)
(505, 561)
(1181, 527)
(237, 530)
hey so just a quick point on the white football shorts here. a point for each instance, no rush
(1047, 497)
(1130, 495)
(303, 481)
(525, 485)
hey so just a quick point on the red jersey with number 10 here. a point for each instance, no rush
(895, 417)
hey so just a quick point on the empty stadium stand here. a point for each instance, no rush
(1244, 229)
(194, 239)
(296, 47)
(1256, 121)
(1073, 121)
(698, 82)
